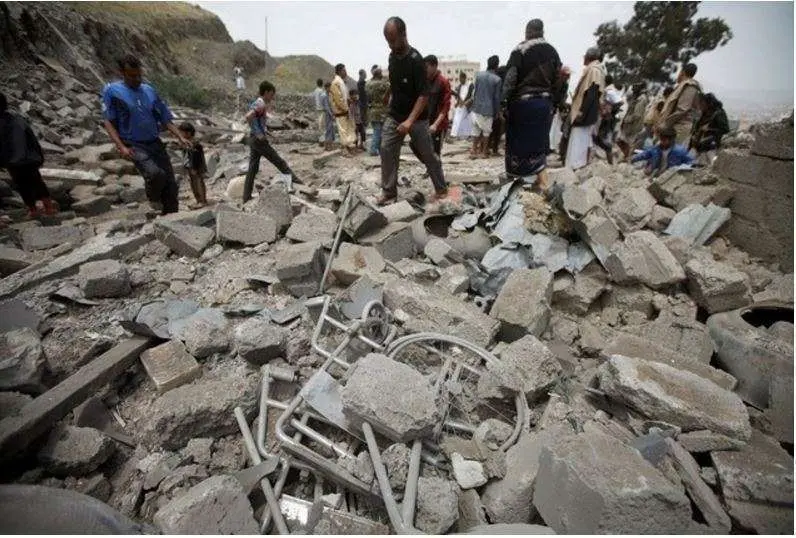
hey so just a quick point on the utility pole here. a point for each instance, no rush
(266, 35)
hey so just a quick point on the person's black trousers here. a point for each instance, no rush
(154, 165)
(28, 182)
(261, 148)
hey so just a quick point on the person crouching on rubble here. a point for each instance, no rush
(21, 155)
(664, 155)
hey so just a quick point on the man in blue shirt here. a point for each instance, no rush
(666, 154)
(258, 143)
(486, 105)
(134, 115)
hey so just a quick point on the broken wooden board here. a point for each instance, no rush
(39, 415)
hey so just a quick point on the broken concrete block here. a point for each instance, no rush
(353, 261)
(394, 241)
(526, 366)
(89, 207)
(394, 398)
(199, 450)
(72, 177)
(578, 200)
(471, 511)
(363, 218)
(437, 505)
(170, 365)
(313, 225)
(661, 392)
(761, 518)
(780, 407)
(575, 294)
(468, 473)
(685, 337)
(205, 332)
(399, 212)
(300, 268)
(761, 472)
(592, 483)
(698, 223)
(704, 498)
(718, 287)
(184, 239)
(642, 257)
(598, 230)
(22, 361)
(12, 260)
(74, 451)
(197, 217)
(441, 253)
(44, 237)
(430, 308)
(508, 500)
(633, 209)
(660, 218)
(274, 201)
(259, 341)
(12, 402)
(418, 270)
(217, 505)
(774, 139)
(244, 228)
(104, 278)
(676, 188)
(523, 304)
(200, 409)
(707, 441)
(455, 279)
(396, 461)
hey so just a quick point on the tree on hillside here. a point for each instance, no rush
(659, 38)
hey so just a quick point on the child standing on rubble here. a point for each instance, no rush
(193, 161)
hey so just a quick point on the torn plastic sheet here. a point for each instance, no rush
(579, 255)
(698, 223)
(549, 251)
(467, 221)
(506, 256)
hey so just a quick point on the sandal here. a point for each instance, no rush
(384, 200)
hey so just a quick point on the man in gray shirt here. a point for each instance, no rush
(486, 105)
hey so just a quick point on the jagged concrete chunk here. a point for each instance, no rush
(170, 365)
(184, 239)
(300, 268)
(455, 279)
(642, 257)
(216, 506)
(707, 441)
(363, 218)
(718, 287)
(12, 402)
(394, 241)
(523, 305)
(575, 294)
(245, 228)
(526, 366)
(437, 505)
(633, 209)
(313, 225)
(396, 461)
(700, 493)
(353, 261)
(399, 212)
(760, 472)
(393, 397)
(430, 308)
(92, 206)
(761, 518)
(104, 278)
(468, 473)
(661, 392)
(774, 139)
(274, 201)
(201, 409)
(74, 451)
(591, 483)
(44, 237)
(204, 332)
(258, 340)
(22, 361)
(12, 260)
(780, 407)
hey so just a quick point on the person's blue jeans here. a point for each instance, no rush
(375, 142)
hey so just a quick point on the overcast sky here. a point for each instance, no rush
(759, 55)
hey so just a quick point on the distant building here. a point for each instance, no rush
(451, 66)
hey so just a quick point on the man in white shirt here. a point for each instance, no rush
(317, 96)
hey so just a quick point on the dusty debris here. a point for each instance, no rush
(170, 365)
(718, 287)
(75, 451)
(523, 305)
(23, 362)
(245, 228)
(184, 239)
(259, 341)
(104, 278)
(642, 257)
(437, 505)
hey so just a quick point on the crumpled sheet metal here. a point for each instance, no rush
(511, 226)
(698, 223)
(506, 256)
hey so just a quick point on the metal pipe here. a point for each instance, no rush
(522, 411)
(384, 481)
(265, 485)
(336, 242)
(318, 438)
(410, 492)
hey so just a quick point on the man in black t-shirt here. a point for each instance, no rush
(408, 114)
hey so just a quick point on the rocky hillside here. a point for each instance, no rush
(174, 39)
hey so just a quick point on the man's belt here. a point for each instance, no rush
(535, 95)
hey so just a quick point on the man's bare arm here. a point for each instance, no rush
(125, 152)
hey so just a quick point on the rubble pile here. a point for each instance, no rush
(600, 360)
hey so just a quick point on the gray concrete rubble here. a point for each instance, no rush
(353, 261)
(204, 332)
(274, 201)
(75, 451)
(698, 223)
(526, 366)
(378, 391)
(23, 363)
(259, 341)
(170, 365)
(394, 241)
(362, 218)
(184, 239)
(244, 228)
(312, 225)
(13, 260)
(718, 287)
(399, 212)
(523, 305)
(44, 237)
(437, 505)
(632, 210)
(300, 268)
(661, 392)
(591, 483)
(642, 257)
(104, 278)
(707, 441)
(218, 506)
